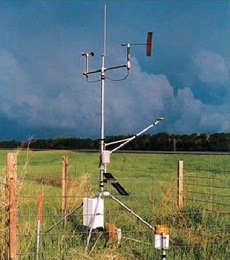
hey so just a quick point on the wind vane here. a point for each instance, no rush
(148, 44)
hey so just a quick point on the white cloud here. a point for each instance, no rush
(15, 86)
(190, 115)
(215, 119)
(211, 67)
(130, 104)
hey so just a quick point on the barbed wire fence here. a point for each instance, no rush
(211, 192)
(49, 225)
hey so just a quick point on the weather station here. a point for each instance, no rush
(93, 207)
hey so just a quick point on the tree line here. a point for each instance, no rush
(215, 142)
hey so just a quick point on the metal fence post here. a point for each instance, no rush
(64, 184)
(180, 184)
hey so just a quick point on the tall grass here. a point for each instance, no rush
(151, 182)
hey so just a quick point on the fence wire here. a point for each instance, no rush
(213, 193)
(198, 230)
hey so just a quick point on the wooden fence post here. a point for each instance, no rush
(180, 195)
(64, 184)
(11, 194)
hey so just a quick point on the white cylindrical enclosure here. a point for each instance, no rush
(161, 237)
(162, 241)
(106, 157)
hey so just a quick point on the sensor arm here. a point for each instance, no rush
(148, 45)
(87, 55)
(117, 142)
(127, 65)
(126, 141)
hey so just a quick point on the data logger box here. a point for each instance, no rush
(93, 212)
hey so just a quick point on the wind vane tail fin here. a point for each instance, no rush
(149, 44)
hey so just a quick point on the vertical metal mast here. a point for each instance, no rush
(103, 161)
(102, 126)
(105, 154)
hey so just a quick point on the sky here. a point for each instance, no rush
(43, 93)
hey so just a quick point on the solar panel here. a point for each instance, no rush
(110, 179)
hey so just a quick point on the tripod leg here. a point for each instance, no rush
(88, 239)
(132, 212)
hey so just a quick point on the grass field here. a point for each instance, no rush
(151, 180)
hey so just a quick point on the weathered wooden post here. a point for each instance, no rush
(11, 194)
(180, 195)
(64, 184)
